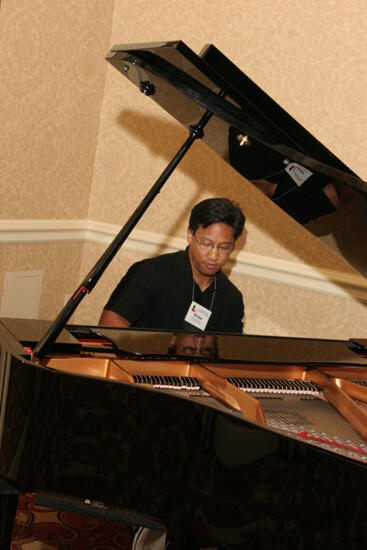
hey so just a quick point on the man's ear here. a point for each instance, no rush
(190, 235)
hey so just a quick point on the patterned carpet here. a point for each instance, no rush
(39, 528)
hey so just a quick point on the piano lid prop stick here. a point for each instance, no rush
(87, 285)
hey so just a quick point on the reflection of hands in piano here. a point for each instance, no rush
(337, 193)
(265, 186)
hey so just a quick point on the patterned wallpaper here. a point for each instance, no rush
(60, 263)
(292, 49)
(298, 52)
(52, 73)
(78, 141)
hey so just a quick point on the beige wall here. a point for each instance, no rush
(79, 141)
(295, 51)
(60, 263)
(52, 73)
(300, 52)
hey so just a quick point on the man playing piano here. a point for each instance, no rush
(185, 289)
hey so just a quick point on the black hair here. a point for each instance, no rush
(218, 210)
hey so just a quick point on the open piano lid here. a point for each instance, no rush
(186, 85)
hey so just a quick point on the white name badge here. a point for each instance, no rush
(198, 315)
(298, 173)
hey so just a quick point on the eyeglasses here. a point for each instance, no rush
(191, 350)
(205, 244)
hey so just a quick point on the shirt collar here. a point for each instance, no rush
(186, 271)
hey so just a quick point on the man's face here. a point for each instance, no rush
(210, 247)
(201, 345)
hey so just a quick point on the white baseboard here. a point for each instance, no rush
(335, 283)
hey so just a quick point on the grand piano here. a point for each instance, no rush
(234, 441)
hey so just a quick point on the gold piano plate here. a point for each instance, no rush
(97, 367)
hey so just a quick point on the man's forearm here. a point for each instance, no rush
(111, 319)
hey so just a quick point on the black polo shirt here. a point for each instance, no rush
(157, 292)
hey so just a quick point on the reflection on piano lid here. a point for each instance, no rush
(186, 85)
(29, 332)
(230, 348)
(141, 344)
